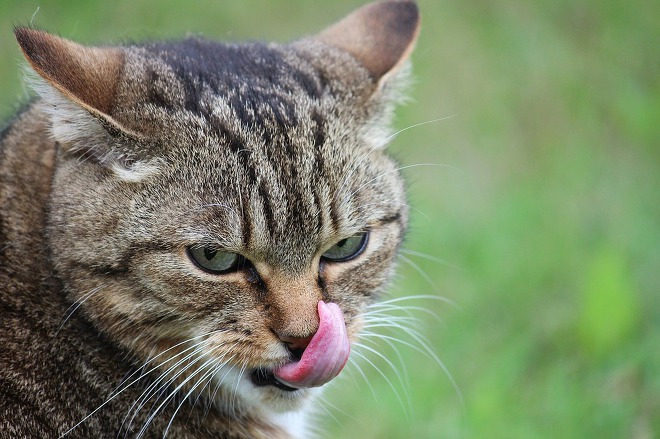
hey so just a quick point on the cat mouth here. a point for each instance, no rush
(264, 377)
(321, 361)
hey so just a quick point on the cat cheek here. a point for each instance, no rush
(357, 283)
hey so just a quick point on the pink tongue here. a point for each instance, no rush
(324, 357)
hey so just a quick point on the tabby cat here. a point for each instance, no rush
(191, 231)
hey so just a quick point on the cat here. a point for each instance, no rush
(191, 231)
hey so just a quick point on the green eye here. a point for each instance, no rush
(347, 248)
(213, 260)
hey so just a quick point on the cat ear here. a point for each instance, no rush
(380, 36)
(78, 90)
(87, 77)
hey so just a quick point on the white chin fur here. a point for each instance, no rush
(285, 409)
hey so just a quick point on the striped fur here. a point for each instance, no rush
(273, 151)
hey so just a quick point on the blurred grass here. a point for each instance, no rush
(548, 212)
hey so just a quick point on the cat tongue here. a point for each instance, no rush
(324, 357)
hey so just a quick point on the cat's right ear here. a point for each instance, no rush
(79, 83)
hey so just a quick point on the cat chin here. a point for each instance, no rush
(238, 385)
(285, 409)
(279, 401)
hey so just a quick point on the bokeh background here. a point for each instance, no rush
(536, 208)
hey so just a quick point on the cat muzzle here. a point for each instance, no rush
(324, 357)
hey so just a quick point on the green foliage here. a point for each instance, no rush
(547, 211)
(610, 309)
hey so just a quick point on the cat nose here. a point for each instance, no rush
(295, 343)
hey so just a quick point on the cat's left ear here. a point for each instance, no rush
(379, 35)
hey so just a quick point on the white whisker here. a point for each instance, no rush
(431, 258)
(173, 393)
(414, 297)
(234, 395)
(424, 350)
(120, 390)
(378, 146)
(156, 387)
(421, 272)
(366, 380)
(77, 304)
(215, 362)
(378, 315)
(387, 380)
(404, 384)
(324, 401)
(394, 349)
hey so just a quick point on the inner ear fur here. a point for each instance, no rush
(88, 76)
(379, 35)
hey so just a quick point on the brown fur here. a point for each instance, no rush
(378, 52)
(87, 75)
(132, 155)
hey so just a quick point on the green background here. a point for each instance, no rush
(542, 226)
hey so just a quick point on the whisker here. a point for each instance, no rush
(377, 315)
(396, 352)
(424, 350)
(336, 408)
(349, 373)
(396, 372)
(329, 412)
(141, 368)
(153, 387)
(234, 395)
(431, 258)
(221, 362)
(414, 297)
(172, 394)
(421, 272)
(217, 386)
(117, 392)
(389, 382)
(419, 124)
(209, 373)
(401, 327)
(77, 304)
(383, 143)
(366, 380)
(156, 387)
(426, 217)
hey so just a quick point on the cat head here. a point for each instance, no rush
(210, 201)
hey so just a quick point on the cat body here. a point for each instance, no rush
(191, 231)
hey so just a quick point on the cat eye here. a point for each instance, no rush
(213, 260)
(347, 248)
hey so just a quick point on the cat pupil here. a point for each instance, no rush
(209, 253)
(342, 243)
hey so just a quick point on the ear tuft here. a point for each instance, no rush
(87, 75)
(379, 35)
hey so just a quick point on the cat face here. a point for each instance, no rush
(221, 211)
